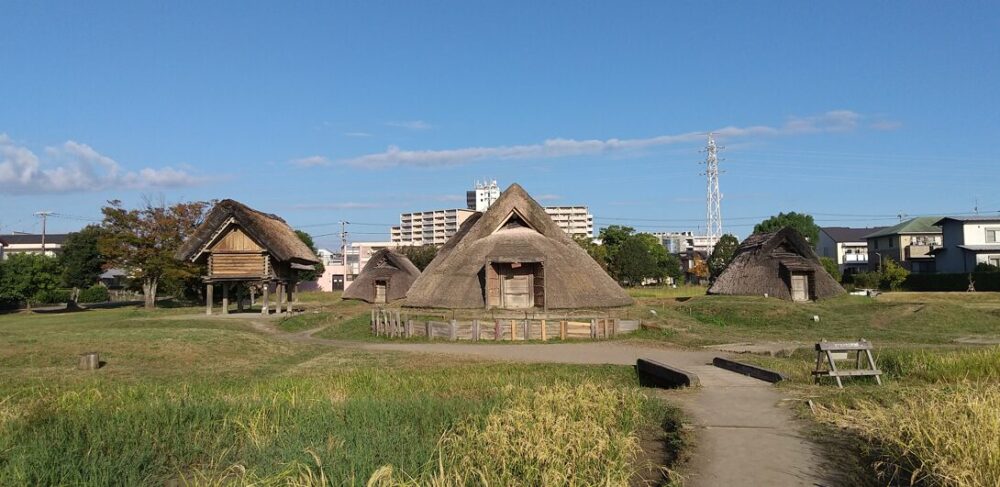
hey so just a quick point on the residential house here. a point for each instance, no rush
(966, 242)
(846, 246)
(909, 243)
(29, 243)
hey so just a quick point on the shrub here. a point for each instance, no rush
(831, 268)
(867, 280)
(51, 296)
(95, 294)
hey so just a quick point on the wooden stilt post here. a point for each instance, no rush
(225, 298)
(253, 295)
(430, 330)
(544, 332)
(593, 328)
(409, 327)
(289, 297)
(475, 330)
(209, 289)
(497, 333)
(562, 330)
(513, 332)
(454, 330)
(527, 329)
(281, 298)
(265, 300)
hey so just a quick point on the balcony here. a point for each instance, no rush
(855, 258)
(919, 251)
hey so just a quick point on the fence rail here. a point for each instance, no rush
(395, 324)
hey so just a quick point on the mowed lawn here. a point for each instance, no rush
(194, 401)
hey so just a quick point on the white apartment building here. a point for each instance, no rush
(428, 227)
(574, 220)
(483, 196)
(681, 242)
(25, 243)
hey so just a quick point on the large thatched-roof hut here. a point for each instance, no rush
(242, 245)
(386, 277)
(781, 264)
(513, 256)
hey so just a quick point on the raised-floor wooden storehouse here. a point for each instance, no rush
(241, 245)
(781, 264)
(513, 256)
(386, 277)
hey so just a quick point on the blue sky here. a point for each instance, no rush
(854, 111)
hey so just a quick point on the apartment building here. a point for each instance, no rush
(428, 227)
(574, 220)
(24, 243)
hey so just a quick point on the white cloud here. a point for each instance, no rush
(829, 122)
(411, 125)
(357, 134)
(311, 161)
(76, 167)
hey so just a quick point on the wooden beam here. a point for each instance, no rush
(209, 289)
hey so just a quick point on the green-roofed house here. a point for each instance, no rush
(909, 243)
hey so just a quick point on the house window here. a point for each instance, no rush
(876, 244)
(994, 260)
(992, 234)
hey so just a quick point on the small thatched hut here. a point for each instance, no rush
(386, 277)
(513, 256)
(781, 264)
(242, 245)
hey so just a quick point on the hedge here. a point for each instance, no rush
(985, 281)
(95, 294)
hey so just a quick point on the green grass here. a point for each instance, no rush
(208, 401)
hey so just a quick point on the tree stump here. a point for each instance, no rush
(89, 361)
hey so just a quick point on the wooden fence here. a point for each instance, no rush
(393, 323)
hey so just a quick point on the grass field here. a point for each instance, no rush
(933, 422)
(189, 400)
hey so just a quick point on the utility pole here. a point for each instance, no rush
(343, 248)
(44, 215)
(714, 198)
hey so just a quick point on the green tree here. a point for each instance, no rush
(831, 267)
(892, 274)
(801, 222)
(722, 254)
(318, 269)
(420, 255)
(143, 241)
(24, 276)
(660, 255)
(671, 265)
(596, 251)
(81, 259)
(984, 267)
(867, 280)
(633, 262)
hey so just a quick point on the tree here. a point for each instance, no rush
(420, 255)
(598, 252)
(143, 241)
(984, 267)
(671, 265)
(892, 274)
(24, 276)
(867, 280)
(699, 268)
(722, 254)
(801, 222)
(612, 238)
(633, 262)
(319, 269)
(81, 259)
(831, 267)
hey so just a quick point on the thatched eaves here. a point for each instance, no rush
(515, 228)
(385, 265)
(269, 231)
(763, 263)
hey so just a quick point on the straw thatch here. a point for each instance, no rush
(514, 229)
(385, 265)
(269, 231)
(764, 262)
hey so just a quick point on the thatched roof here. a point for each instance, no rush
(763, 263)
(515, 228)
(385, 265)
(269, 231)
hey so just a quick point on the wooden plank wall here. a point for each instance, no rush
(237, 264)
(392, 323)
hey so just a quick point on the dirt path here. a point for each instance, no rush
(745, 435)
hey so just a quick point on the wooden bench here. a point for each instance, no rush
(840, 351)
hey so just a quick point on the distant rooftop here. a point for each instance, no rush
(921, 224)
(970, 218)
(847, 234)
(33, 239)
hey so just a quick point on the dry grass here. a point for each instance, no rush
(947, 436)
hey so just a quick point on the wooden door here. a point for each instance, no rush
(518, 287)
(380, 288)
(800, 287)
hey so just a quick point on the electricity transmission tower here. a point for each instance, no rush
(714, 197)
